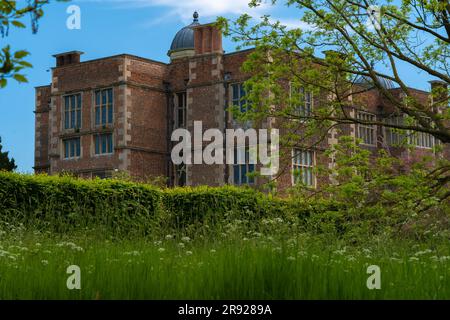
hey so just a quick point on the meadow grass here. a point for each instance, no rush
(33, 266)
(134, 241)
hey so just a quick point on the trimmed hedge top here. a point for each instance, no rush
(66, 201)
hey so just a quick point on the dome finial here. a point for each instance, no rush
(196, 16)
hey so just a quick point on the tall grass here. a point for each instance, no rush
(34, 267)
(137, 242)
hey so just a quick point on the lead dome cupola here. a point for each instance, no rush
(184, 39)
(367, 81)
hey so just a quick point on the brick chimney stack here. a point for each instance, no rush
(66, 58)
(435, 84)
(207, 39)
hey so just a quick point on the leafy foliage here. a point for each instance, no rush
(335, 46)
(375, 195)
(12, 13)
(355, 210)
(65, 203)
(6, 163)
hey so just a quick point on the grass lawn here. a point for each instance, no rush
(134, 241)
(34, 265)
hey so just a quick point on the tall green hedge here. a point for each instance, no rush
(196, 204)
(64, 203)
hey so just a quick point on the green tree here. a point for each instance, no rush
(340, 43)
(12, 14)
(376, 197)
(5, 162)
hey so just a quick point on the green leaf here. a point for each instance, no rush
(3, 83)
(17, 24)
(20, 78)
(21, 54)
(25, 64)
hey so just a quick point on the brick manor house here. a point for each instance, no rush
(118, 113)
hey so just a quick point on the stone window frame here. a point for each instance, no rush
(177, 109)
(94, 109)
(94, 141)
(300, 165)
(364, 131)
(231, 104)
(79, 97)
(63, 147)
(390, 134)
(238, 102)
(407, 137)
(250, 181)
(307, 112)
(422, 140)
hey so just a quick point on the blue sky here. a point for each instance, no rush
(140, 27)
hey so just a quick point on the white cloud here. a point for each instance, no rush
(185, 8)
(208, 10)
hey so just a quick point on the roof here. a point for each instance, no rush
(385, 83)
(67, 53)
(184, 39)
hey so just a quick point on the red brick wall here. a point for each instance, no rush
(87, 75)
(146, 73)
(148, 131)
(139, 112)
(42, 161)
(206, 103)
(146, 166)
(178, 75)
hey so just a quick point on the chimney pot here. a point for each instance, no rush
(66, 58)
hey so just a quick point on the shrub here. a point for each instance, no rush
(115, 208)
(64, 203)
(205, 203)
